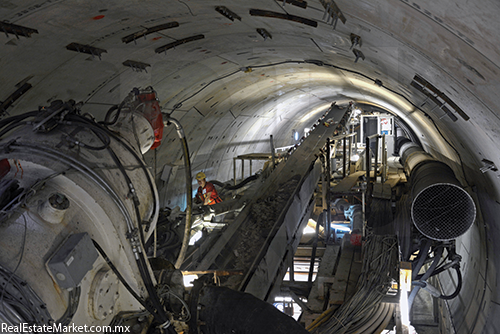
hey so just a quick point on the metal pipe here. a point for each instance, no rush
(375, 166)
(344, 157)
(328, 193)
(368, 161)
(234, 170)
(315, 245)
(383, 165)
(272, 151)
(242, 168)
(355, 214)
(189, 189)
(441, 209)
(350, 154)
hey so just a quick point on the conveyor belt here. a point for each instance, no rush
(270, 226)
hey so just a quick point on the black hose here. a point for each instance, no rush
(218, 183)
(422, 256)
(108, 115)
(73, 301)
(119, 275)
(103, 136)
(10, 127)
(18, 118)
(141, 263)
(459, 285)
(437, 257)
(134, 154)
(189, 189)
(189, 207)
(243, 183)
(160, 313)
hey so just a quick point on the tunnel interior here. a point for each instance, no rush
(232, 82)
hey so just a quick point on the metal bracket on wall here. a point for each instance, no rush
(488, 166)
(333, 12)
(166, 47)
(438, 97)
(147, 31)
(358, 55)
(81, 48)
(13, 97)
(9, 28)
(355, 40)
(136, 65)
(223, 10)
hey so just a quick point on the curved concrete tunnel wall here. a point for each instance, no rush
(471, 246)
(453, 45)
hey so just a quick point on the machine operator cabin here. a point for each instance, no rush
(281, 167)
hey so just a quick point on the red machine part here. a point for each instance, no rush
(153, 114)
(4, 167)
(356, 239)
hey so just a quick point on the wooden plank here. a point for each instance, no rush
(356, 268)
(306, 251)
(339, 286)
(394, 178)
(348, 182)
(315, 300)
(326, 268)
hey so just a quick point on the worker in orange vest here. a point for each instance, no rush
(206, 191)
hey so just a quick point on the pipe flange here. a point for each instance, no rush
(103, 294)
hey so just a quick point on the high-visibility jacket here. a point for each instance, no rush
(203, 192)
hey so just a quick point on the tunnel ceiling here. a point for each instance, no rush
(231, 86)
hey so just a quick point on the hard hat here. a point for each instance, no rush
(200, 176)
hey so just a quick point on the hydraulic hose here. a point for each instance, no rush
(435, 292)
(120, 276)
(437, 257)
(459, 286)
(189, 189)
(160, 313)
(421, 259)
(242, 183)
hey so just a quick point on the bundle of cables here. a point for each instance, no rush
(365, 312)
(19, 303)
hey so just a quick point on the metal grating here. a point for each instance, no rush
(443, 211)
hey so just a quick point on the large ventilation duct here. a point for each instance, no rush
(441, 209)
